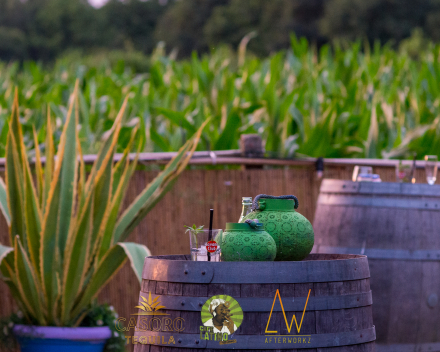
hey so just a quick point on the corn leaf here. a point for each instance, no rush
(159, 141)
(178, 118)
(228, 136)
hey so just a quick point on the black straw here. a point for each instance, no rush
(211, 215)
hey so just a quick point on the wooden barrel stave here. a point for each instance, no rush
(403, 247)
(254, 323)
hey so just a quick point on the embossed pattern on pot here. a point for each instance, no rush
(292, 232)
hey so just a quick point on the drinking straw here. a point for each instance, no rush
(211, 214)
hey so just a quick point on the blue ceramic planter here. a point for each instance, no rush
(55, 339)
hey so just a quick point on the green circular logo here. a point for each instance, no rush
(222, 311)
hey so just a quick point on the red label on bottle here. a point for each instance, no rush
(211, 246)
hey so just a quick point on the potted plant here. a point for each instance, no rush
(66, 234)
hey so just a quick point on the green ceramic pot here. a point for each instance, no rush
(247, 242)
(292, 232)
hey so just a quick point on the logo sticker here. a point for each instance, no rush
(221, 316)
(211, 246)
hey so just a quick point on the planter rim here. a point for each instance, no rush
(63, 333)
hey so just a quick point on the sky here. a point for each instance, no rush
(97, 3)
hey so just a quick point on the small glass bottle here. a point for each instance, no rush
(247, 207)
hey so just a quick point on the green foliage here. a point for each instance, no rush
(66, 234)
(273, 21)
(46, 29)
(194, 229)
(181, 27)
(349, 100)
(105, 315)
(382, 20)
(417, 44)
(99, 315)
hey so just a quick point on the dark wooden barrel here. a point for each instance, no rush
(337, 318)
(397, 226)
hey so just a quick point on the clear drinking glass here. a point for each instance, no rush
(363, 173)
(403, 172)
(431, 168)
(203, 248)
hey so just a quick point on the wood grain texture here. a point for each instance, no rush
(255, 322)
(189, 201)
(401, 288)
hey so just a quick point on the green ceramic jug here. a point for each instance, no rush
(247, 242)
(292, 232)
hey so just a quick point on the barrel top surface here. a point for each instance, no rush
(314, 268)
(379, 188)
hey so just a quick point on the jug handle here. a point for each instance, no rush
(252, 223)
(256, 206)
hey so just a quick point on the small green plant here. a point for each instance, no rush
(194, 230)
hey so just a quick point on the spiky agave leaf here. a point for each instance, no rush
(68, 246)
(61, 184)
(154, 191)
(116, 255)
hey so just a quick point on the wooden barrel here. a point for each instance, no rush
(329, 295)
(397, 226)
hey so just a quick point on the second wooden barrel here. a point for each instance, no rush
(320, 304)
(397, 226)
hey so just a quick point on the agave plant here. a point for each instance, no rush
(65, 233)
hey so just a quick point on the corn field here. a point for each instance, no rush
(351, 101)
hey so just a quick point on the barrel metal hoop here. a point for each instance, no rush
(409, 347)
(258, 304)
(379, 253)
(177, 270)
(380, 202)
(258, 342)
(380, 188)
(186, 271)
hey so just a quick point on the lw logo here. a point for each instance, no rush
(289, 327)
